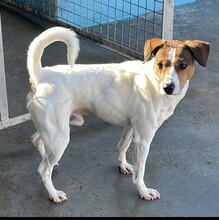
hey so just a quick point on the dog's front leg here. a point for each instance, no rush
(141, 150)
(122, 148)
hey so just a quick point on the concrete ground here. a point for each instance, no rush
(183, 162)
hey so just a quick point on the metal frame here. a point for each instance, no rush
(168, 15)
(4, 113)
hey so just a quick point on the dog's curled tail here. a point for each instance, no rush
(49, 36)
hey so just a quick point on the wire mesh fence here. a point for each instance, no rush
(120, 24)
(124, 24)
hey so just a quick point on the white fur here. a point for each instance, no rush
(172, 76)
(37, 46)
(125, 94)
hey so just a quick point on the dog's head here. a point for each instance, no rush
(174, 61)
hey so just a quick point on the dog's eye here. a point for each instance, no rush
(182, 66)
(160, 65)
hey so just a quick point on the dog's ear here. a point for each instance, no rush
(151, 47)
(199, 49)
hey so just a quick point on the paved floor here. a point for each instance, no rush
(183, 162)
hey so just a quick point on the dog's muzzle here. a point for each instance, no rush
(168, 89)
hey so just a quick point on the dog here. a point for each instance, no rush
(137, 95)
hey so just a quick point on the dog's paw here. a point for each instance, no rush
(59, 198)
(150, 194)
(126, 168)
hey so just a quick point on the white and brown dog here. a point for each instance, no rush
(136, 95)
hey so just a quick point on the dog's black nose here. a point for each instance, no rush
(169, 88)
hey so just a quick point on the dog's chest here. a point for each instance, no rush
(164, 114)
(165, 110)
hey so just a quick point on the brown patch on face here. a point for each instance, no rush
(183, 61)
(162, 62)
(184, 64)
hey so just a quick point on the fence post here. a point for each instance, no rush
(168, 16)
(3, 90)
(5, 121)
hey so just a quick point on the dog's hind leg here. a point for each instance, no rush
(38, 143)
(54, 132)
(55, 146)
(122, 148)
